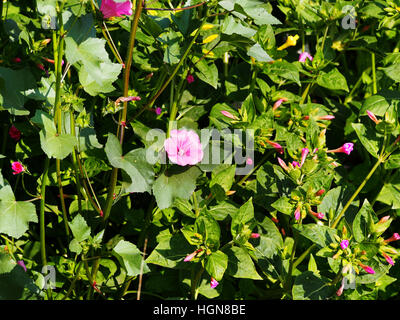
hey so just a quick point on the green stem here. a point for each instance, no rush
(288, 279)
(75, 164)
(71, 287)
(42, 203)
(195, 282)
(303, 256)
(375, 90)
(360, 187)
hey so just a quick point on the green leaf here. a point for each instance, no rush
(283, 205)
(240, 264)
(243, 220)
(284, 70)
(175, 183)
(79, 228)
(207, 72)
(230, 26)
(363, 222)
(258, 11)
(258, 53)
(393, 72)
(15, 87)
(216, 264)
(390, 193)
(369, 138)
(134, 163)
(222, 179)
(131, 258)
(332, 80)
(209, 228)
(319, 234)
(15, 215)
(14, 282)
(96, 71)
(171, 41)
(311, 286)
(171, 251)
(222, 210)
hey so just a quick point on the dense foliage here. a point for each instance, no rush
(107, 188)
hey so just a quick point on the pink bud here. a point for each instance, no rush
(249, 161)
(306, 118)
(255, 235)
(340, 290)
(295, 164)
(214, 283)
(229, 115)
(344, 244)
(14, 133)
(283, 164)
(394, 237)
(277, 146)
(297, 213)
(388, 258)
(327, 117)
(189, 78)
(304, 153)
(158, 111)
(372, 117)
(278, 103)
(367, 268)
(320, 192)
(17, 60)
(190, 257)
(384, 219)
(347, 148)
(17, 167)
(320, 215)
(22, 264)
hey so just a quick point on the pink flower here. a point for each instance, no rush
(304, 55)
(229, 115)
(367, 268)
(17, 60)
(278, 103)
(183, 147)
(22, 264)
(394, 237)
(110, 8)
(17, 167)
(344, 244)
(340, 290)
(190, 257)
(383, 219)
(388, 259)
(255, 235)
(14, 133)
(372, 117)
(249, 161)
(304, 153)
(319, 215)
(347, 148)
(283, 164)
(214, 283)
(189, 78)
(277, 146)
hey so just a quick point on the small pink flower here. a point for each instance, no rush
(388, 259)
(327, 117)
(110, 8)
(384, 219)
(372, 116)
(277, 146)
(184, 147)
(14, 133)
(17, 60)
(283, 164)
(255, 235)
(229, 115)
(249, 161)
(339, 292)
(304, 153)
(17, 167)
(394, 237)
(22, 264)
(214, 283)
(319, 215)
(344, 244)
(189, 78)
(304, 55)
(158, 111)
(347, 148)
(367, 268)
(278, 103)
